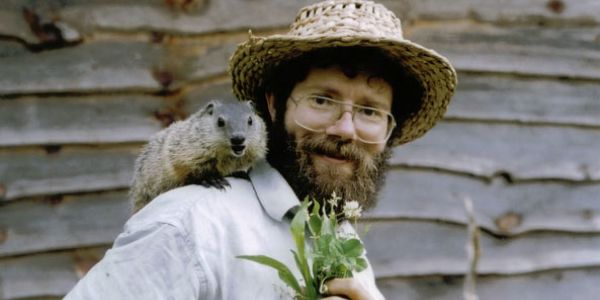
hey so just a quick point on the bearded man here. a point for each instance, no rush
(337, 92)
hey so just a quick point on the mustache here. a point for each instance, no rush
(333, 147)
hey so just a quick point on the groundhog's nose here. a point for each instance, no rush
(237, 140)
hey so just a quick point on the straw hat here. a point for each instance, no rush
(341, 23)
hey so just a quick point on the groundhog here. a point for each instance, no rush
(220, 139)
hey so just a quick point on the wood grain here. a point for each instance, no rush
(551, 285)
(63, 222)
(514, 151)
(500, 207)
(45, 276)
(552, 52)
(416, 248)
(526, 100)
(57, 170)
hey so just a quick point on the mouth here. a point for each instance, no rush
(332, 154)
(334, 158)
(238, 150)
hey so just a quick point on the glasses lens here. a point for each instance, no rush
(316, 113)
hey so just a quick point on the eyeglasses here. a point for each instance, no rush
(316, 113)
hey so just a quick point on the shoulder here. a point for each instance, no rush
(180, 206)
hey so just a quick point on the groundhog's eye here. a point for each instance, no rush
(221, 122)
(249, 121)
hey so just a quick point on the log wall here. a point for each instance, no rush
(83, 84)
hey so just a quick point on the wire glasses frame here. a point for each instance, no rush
(316, 113)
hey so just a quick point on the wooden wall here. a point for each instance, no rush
(83, 84)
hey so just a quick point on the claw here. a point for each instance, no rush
(216, 182)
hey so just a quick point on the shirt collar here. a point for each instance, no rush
(274, 193)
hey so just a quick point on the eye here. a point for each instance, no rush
(370, 113)
(221, 122)
(320, 101)
(249, 121)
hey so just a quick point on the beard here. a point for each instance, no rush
(294, 159)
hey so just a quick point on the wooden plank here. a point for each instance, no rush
(510, 150)
(91, 67)
(216, 16)
(487, 97)
(56, 170)
(79, 119)
(416, 248)
(555, 52)
(113, 66)
(205, 17)
(508, 11)
(500, 207)
(96, 119)
(56, 223)
(581, 284)
(45, 276)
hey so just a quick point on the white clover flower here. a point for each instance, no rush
(352, 210)
(334, 200)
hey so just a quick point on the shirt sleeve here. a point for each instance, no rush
(150, 263)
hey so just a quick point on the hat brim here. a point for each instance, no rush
(254, 58)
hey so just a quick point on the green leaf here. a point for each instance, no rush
(298, 228)
(316, 207)
(352, 248)
(335, 248)
(284, 272)
(310, 290)
(327, 227)
(322, 244)
(314, 224)
(361, 264)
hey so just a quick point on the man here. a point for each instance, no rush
(337, 92)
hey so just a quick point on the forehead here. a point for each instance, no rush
(359, 88)
(232, 109)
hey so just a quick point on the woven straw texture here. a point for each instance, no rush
(343, 23)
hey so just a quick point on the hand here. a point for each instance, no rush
(346, 288)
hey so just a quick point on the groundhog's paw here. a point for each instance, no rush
(216, 182)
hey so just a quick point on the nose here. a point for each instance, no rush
(237, 140)
(343, 127)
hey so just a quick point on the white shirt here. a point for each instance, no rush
(183, 245)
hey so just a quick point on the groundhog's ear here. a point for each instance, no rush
(251, 104)
(209, 109)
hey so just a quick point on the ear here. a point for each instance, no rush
(271, 105)
(209, 108)
(251, 104)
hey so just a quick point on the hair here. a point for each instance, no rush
(373, 62)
